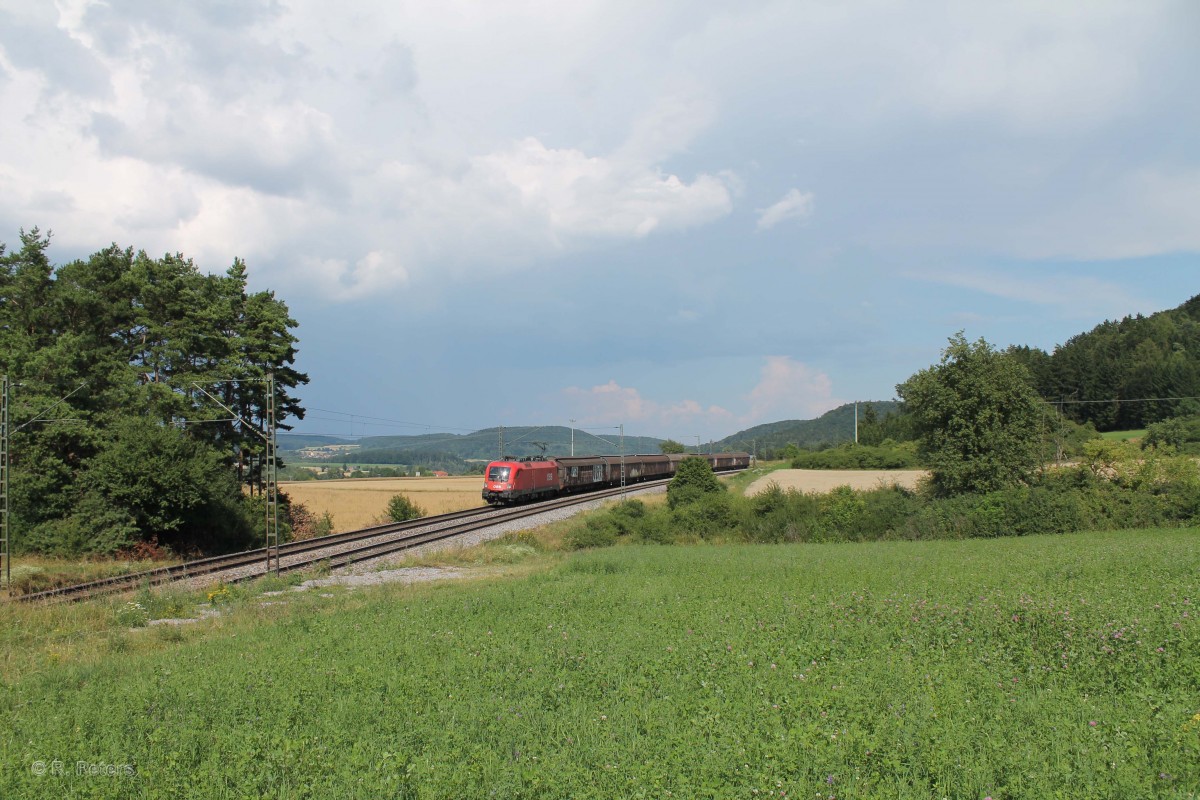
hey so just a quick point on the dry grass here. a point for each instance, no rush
(361, 502)
(35, 573)
(825, 480)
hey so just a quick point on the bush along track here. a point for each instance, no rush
(1117, 486)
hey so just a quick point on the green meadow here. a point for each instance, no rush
(1033, 667)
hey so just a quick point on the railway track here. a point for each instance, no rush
(339, 549)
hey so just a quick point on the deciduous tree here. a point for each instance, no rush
(978, 418)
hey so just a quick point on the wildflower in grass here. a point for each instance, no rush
(1093, 723)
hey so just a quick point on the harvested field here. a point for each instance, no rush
(361, 502)
(824, 480)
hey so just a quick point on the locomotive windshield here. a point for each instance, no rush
(499, 474)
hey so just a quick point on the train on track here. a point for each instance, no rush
(521, 481)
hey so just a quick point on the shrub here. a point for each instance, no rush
(591, 535)
(857, 456)
(705, 515)
(400, 509)
(768, 501)
(692, 480)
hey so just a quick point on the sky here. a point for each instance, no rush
(686, 218)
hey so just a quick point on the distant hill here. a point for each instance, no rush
(299, 441)
(555, 440)
(831, 428)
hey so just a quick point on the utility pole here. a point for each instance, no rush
(697, 444)
(501, 442)
(572, 438)
(272, 488)
(856, 422)
(6, 555)
(272, 521)
(622, 461)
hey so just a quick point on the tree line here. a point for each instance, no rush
(1138, 372)
(115, 441)
(1115, 375)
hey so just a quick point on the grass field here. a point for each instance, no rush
(359, 503)
(1124, 436)
(1012, 668)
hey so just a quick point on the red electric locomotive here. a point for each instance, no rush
(507, 482)
(524, 480)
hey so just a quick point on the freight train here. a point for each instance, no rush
(529, 479)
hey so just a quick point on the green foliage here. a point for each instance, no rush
(304, 524)
(875, 431)
(1137, 357)
(831, 428)
(401, 509)
(1168, 433)
(167, 485)
(978, 417)
(124, 336)
(888, 455)
(703, 515)
(594, 533)
(132, 614)
(693, 479)
(1117, 486)
(1063, 438)
(670, 446)
(1180, 433)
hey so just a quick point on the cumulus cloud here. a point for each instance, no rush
(205, 121)
(476, 136)
(786, 389)
(613, 404)
(793, 205)
(789, 389)
(573, 195)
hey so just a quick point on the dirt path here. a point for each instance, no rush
(823, 480)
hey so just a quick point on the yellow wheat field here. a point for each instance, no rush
(357, 503)
(820, 481)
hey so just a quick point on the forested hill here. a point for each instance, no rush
(1134, 359)
(113, 361)
(554, 440)
(832, 427)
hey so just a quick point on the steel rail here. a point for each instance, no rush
(212, 564)
(254, 558)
